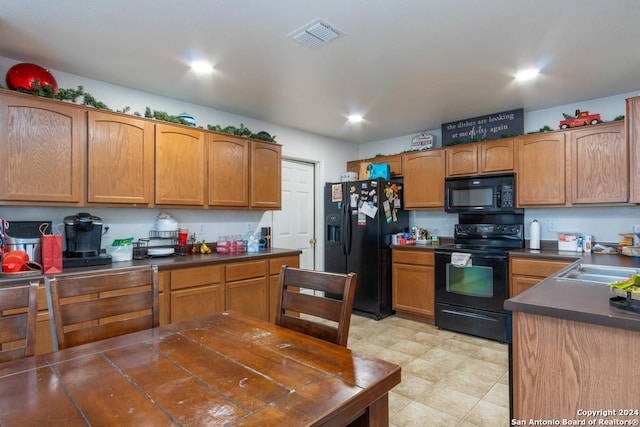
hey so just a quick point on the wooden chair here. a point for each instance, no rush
(87, 307)
(18, 312)
(324, 317)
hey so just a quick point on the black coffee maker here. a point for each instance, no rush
(83, 233)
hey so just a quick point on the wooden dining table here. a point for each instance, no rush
(224, 369)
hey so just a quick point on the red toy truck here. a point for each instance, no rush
(582, 118)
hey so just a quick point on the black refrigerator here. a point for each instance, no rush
(360, 217)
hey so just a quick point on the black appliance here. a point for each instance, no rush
(360, 217)
(83, 236)
(481, 194)
(470, 299)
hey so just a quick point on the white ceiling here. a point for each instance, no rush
(407, 65)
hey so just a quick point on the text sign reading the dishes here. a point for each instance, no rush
(483, 128)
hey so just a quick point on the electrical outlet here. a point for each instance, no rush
(249, 227)
(551, 225)
(202, 228)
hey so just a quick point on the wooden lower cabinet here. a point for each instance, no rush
(196, 292)
(413, 284)
(247, 288)
(562, 366)
(526, 272)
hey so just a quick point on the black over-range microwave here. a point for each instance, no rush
(481, 194)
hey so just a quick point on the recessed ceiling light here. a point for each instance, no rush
(355, 118)
(201, 67)
(529, 74)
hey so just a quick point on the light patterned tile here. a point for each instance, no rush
(466, 383)
(487, 414)
(443, 373)
(445, 359)
(413, 348)
(397, 402)
(449, 401)
(412, 386)
(499, 394)
(492, 355)
(486, 371)
(425, 369)
(416, 414)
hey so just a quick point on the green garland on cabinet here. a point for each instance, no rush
(72, 95)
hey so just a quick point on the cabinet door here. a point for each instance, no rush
(228, 161)
(249, 297)
(180, 165)
(632, 122)
(599, 159)
(413, 289)
(196, 302)
(120, 159)
(462, 160)
(522, 283)
(424, 179)
(496, 156)
(542, 162)
(266, 175)
(42, 150)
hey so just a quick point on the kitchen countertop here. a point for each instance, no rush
(172, 262)
(575, 300)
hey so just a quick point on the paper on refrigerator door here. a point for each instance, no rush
(369, 209)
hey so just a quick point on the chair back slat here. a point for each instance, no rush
(87, 307)
(316, 303)
(18, 314)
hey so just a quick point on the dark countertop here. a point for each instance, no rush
(169, 262)
(575, 300)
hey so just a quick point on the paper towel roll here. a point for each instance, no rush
(534, 235)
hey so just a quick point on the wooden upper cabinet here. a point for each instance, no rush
(424, 173)
(632, 120)
(542, 162)
(497, 156)
(228, 161)
(599, 159)
(119, 159)
(462, 160)
(42, 150)
(266, 175)
(180, 165)
(483, 157)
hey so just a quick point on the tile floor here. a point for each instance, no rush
(448, 379)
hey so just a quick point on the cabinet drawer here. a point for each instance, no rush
(245, 270)
(276, 263)
(537, 268)
(188, 277)
(413, 257)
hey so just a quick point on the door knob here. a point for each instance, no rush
(312, 241)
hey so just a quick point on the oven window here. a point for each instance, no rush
(475, 281)
(470, 197)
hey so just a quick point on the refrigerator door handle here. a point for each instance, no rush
(349, 231)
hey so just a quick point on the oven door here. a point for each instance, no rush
(481, 286)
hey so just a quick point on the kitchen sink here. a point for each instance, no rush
(598, 273)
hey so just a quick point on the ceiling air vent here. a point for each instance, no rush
(315, 33)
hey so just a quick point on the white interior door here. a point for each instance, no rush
(294, 225)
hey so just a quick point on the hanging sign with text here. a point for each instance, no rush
(484, 128)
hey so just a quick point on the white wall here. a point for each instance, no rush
(329, 155)
(603, 223)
